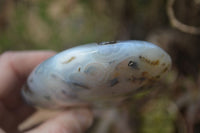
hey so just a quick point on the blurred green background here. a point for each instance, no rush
(57, 25)
(173, 107)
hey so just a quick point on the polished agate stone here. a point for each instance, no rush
(95, 73)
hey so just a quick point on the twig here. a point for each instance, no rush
(177, 24)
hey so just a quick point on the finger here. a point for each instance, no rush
(14, 69)
(70, 121)
(7, 120)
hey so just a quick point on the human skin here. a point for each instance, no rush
(14, 70)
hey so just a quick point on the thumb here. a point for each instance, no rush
(70, 121)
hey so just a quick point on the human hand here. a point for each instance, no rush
(14, 69)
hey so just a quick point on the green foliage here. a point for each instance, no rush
(156, 117)
(51, 25)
